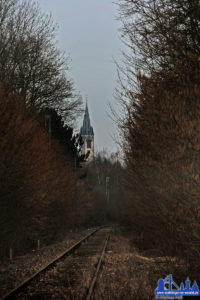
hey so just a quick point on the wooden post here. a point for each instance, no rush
(38, 244)
(11, 254)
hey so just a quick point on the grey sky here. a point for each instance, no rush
(88, 32)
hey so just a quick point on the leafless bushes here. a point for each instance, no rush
(160, 130)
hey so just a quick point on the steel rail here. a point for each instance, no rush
(94, 279)
(67, 252)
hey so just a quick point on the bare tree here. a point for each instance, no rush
(160, 33)
(30, 62)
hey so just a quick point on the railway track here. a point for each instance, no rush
(71, 275)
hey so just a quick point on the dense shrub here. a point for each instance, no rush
(37, 184)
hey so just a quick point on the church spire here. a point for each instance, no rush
(86, 129)
(87, 135)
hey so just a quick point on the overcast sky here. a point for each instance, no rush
(88, 32)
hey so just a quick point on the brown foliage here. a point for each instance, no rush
(161, 127)
(161, 148)
(36, 182)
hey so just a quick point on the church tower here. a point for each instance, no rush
(87, 134)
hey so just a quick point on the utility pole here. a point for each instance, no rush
(107, 194)
(75, 194)
(48, 126)
(107, 189)
(98, 175)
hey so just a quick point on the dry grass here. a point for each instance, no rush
(129, 274)
(22, 267)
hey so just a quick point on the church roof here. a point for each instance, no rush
(86, 129)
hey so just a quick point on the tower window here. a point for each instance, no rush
(88, 143)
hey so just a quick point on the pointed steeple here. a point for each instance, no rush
(86, 129)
